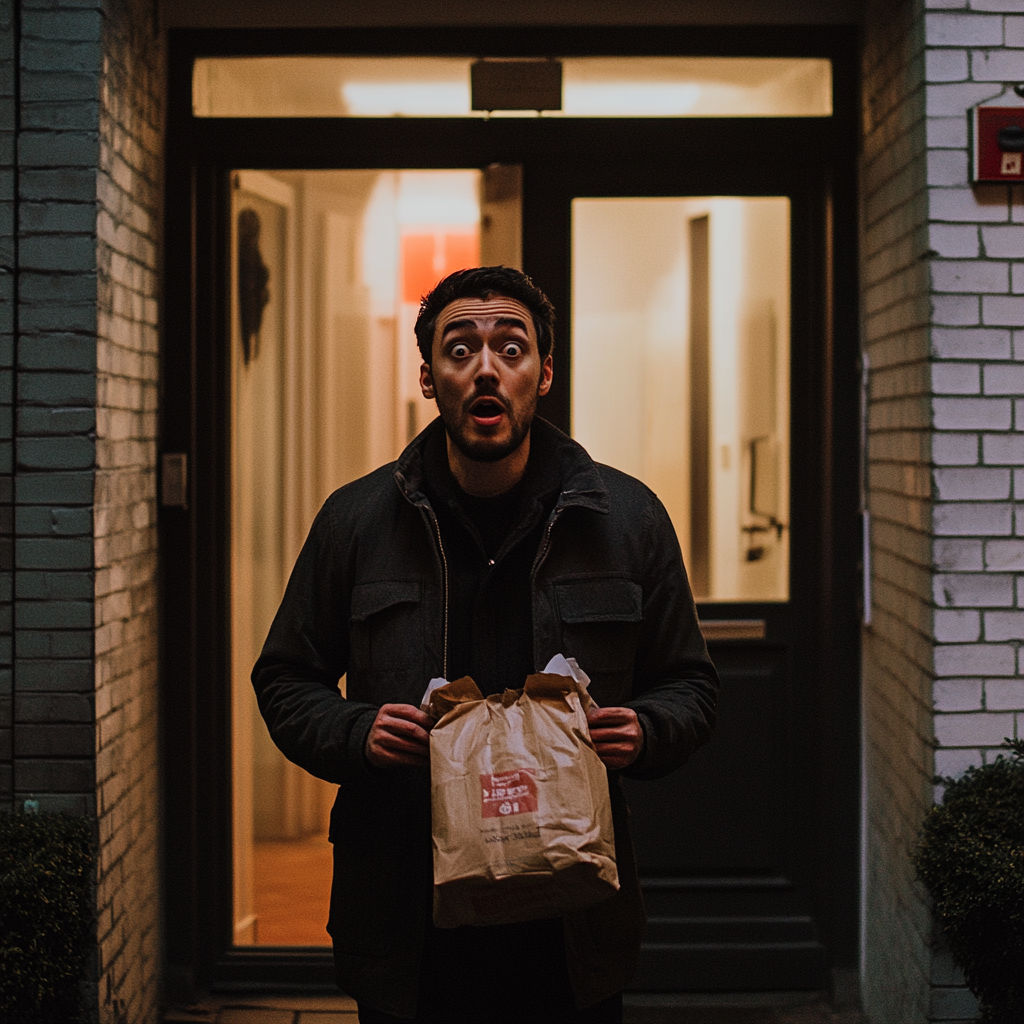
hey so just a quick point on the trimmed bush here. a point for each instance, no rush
(46, 918)
(970, 856)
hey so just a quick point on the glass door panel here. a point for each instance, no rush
(327, 271)
(680, 373)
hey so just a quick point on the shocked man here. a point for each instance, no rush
(492, 544)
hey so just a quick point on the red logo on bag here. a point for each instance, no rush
(508, 793)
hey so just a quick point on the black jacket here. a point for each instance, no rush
(367, 599)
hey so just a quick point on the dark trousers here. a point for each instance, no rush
(509, 974)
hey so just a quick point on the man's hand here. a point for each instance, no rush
(617, 735)
(399, 735)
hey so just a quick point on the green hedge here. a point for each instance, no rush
(970, 856)
(47, 924)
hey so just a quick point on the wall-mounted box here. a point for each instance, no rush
(997, 139)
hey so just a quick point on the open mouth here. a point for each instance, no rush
(487, 411)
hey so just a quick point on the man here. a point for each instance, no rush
(493, 543)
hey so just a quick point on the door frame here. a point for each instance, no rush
(194, 414)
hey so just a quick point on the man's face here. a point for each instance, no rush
(486, 375)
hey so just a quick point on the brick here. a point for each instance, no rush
(971, 660)
(54, 488)
(947, 167)
(953, 626)
(1004, 241)
(59, 149)
(57, 388)
(53, 553)
(80, 218)
(963, 30)
(62, 24)
(1004, 694)
(972, 484)
(948, 132)
(956, 378)
(977, 519)
(970, 276)
(1004, 625)
(56, 453)
(959, 555)
(1013, 31)
(1017, 278)
(53, 707)
(956, 310)
(37, 420)
(980, 203)
(56, 740)
(953, 763)
(1002, 309)
(1004, 555)
(66, 184)
(955, 449)
(56, 676)
(1003, 449)
(50, 776)
(48, 644)
(57, 352)
(946, 65)
(1007, 379)
(63, 253)
(955, 100)
(37, 520)
(957, 695)
(972, 590)
(971, 413)
(997, 66)
(54, 614)
(953, 240)
(970, 343)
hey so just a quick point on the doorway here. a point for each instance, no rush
(746, 898)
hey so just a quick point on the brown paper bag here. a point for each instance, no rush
(522, 821)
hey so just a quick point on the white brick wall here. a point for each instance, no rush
(945, 654)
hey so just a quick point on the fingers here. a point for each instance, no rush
(399, 735)
(617, 735)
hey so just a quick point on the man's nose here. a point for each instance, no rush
(487, 364)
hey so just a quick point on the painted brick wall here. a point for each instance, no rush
(129, 200)
(79, 237)
(7, 325)
(897, 649)
(943, 290)
(976, 238)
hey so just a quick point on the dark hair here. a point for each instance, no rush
(482, 283)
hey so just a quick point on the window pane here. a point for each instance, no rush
(680, 357)
(440, 87)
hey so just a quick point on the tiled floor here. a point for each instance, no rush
(771, 1008)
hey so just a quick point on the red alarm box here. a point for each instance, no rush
(997, 139)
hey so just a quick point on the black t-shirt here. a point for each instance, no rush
(490, 545)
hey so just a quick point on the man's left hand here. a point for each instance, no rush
(617, 735)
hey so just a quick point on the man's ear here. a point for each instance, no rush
(546, 371)
(426, 381)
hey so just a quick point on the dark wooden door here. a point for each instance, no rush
(749, 854)
(730, 846)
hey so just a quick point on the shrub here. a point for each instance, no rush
(970, 856)
(46, 917)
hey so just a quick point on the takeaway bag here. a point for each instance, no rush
(522, 823)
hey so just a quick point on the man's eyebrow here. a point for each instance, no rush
(502, 321)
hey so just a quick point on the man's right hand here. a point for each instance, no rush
(399, 735)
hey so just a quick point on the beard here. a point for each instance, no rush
(455, 418)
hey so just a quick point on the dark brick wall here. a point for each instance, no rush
(80, 193)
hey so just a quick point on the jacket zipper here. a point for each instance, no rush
(444, 565)
(542, 554)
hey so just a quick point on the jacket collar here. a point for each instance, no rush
(551, 451)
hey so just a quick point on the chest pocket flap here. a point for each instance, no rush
(599, 600)
(370, 598)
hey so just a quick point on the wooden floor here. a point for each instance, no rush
(291, 892)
